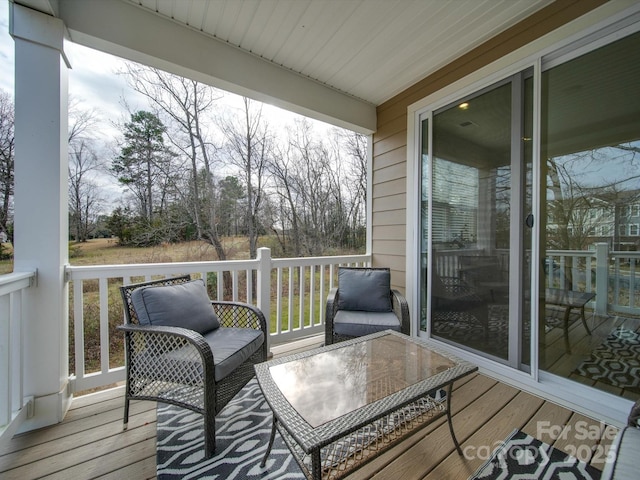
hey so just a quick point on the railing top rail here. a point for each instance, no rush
(140, 269)
(15, 277)
(571, 253)
(12, 282)
(75, 272)
(624, 253)
(10, 278)
(306, 261)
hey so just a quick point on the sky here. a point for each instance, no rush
(94, 84)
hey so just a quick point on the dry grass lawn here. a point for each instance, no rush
(106, 251)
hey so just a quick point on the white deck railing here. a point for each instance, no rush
(291, 292)
(613, 275)
(13, 405)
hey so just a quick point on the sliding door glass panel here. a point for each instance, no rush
(470, 222)
(590, 272)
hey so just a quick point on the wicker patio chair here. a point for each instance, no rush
(364, 303)
(197, 368)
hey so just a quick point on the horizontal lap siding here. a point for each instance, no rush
(390, 140)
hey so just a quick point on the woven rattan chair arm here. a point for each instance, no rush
(330, 311)
(190, 336)
(401, 309)
(230, 313)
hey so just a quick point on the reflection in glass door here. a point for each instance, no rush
(475, 197)
(590, 150)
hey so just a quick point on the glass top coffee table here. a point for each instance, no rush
(339, 406)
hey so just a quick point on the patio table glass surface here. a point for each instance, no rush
(327, 385)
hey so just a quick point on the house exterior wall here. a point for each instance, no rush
(389, 186)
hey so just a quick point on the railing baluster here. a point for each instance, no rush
(632, 282)
(290, 301)
(312, 296)
(322, 294)
(220, 284)
(301, 295)
(249, 289)
(234, 285)
(278, 300)
(78, 328)
(104, 325)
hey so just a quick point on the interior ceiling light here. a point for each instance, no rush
(463, 106)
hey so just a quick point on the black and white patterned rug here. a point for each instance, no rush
(615, 361)
(243, 428)
(521, 456)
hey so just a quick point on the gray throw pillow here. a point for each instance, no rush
(184, 305)
(364, 289)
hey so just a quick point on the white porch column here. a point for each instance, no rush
(41, 208)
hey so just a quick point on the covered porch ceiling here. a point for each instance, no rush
(333, 60)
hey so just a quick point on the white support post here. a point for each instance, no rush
(264, 289)
(41, 207)
(602, 278)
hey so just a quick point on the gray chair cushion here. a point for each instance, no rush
(231, 347)
(358, 324)
(364, 289)
(622, 461)
(184, 305)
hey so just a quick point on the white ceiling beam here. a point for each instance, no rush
(131, 32)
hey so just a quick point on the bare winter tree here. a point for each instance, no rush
(185, 105)
(84, 199)
(321, 184)
(6, 162)
(248, 146)
(318, 189)
(583, 204)
(284, 172)
(575, 200)
(84, 196)
(352, 151)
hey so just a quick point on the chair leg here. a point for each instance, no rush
(125, 420)
(209, 435)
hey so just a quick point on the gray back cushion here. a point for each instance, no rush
(184, 305)
(364, 289)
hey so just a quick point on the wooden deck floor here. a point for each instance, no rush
(90, 442)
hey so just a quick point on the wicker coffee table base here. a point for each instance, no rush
(341, 455)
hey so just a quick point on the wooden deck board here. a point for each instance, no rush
(478, 446)
(465, 392)
(432, 450)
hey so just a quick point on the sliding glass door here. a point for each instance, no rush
(476, 197)
(480, 184)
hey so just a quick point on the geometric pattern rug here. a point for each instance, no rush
(521, 456)
(615, 361)
(243, 428)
